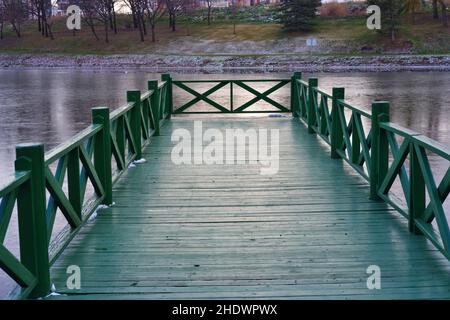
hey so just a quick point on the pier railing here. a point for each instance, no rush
(228, 102)
(370, 143)
(98, 155)
(379, 150)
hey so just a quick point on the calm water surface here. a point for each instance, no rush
(50, 106)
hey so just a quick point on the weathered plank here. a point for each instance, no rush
(227, 232)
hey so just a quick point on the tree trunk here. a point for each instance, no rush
(1, 30)
(49, 31)
(174, 22)
(91, 25)
(153, 33)
(141, 31)
(209, 15)
(115, 20)
(444, 14)
(16, 29)
(144, 26)
(106, 32)
(435, 9)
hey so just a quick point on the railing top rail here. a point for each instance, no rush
(74, 142)
(13, 181)
(426, 142)
(359, 110)
(161, 84)
(121, 111)
(231, 80)
(147, 94)
(322, 92)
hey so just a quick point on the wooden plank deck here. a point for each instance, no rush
(204, 232)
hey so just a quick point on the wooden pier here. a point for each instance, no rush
(225, 231)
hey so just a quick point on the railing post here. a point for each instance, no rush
(32, 218)
(169, 97)
(134, 96)
(417, 195)
(102, 151)
(294, 94)
(380, 147)
(336, 128)
(153, 85)
(312, 84)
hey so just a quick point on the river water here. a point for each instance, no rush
(50, 106)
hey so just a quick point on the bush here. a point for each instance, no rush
(335, 9)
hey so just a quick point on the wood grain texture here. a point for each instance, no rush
(227, 232)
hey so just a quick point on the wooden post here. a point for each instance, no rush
(295, 108)
(154, 101)
(73, 180)
(380, 147)
(169, 97)
(31, 205)
(336, 128)
(134, 96)
(311, 112)
(417, 195)
(356, 142)
(102, 151)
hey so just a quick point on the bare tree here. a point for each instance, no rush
(189, 7)
(209, 6)
(42, 9)
(138, 8)
(435, 9)
(111, 4)
(96, 10)
(154, 10)
(174, 7)
(234, 10)
(444, 8)
(2, 19)
(14, 13)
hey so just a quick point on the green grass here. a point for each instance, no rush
(424, 37)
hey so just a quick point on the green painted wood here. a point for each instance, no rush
(228, 232)
(135, 120)
(380, 147)
(102, 150)
(31, 216)
(336, 130)
(167, 78)
(61, 200)
(73, 180)
(6, 208)
(312, 98)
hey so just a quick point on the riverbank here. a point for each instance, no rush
(230, 63)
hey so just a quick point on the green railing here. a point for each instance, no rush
(231, 86)
(368, 141)
(36, 192)
(376, 155)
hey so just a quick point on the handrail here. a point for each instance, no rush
(231, 85)
(368, 141)
(113, 138)
(340, 124)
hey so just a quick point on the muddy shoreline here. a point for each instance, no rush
(230, 63)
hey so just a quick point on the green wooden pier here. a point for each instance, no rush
(225, 231)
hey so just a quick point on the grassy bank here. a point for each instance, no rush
(341, 36)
